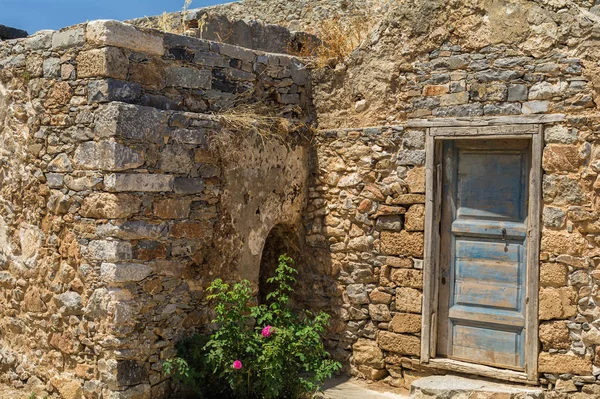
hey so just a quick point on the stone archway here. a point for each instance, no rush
(282, 239)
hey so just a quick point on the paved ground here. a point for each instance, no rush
(345, 388)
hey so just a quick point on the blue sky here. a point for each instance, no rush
(34, 15)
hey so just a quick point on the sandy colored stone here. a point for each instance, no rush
(553, 275)
(561, 158)
(399, 343)
(559, 242)
(415, 218)
(379, 312)
(109, 62)
(119, 34)
(407, 277)
(409, 199)
(557, 303)
(367, 352)
(33, 302)
(110, 206)
(406, 263)
(402, 243)
(406, 323)
(150, 73)
(408, 300)
(175, 208)
(435, 90)
(379, 296)
(564, 364)
(68, 387)
(415, 179)
(555, 335)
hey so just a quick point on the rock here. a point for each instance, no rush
(366, 352)
(553, 275)
(553, 217)
(189, 78)
(68, 387)
(119, 34)
(555, 335)
(360, 106)
(558, 242)
(108, 62)
(142, 182)
(379, 312)
(399, 343)
(68, 38)
(107, 156)
(111, 251)
(107, 90)
(535, 107)
(403, 243)
(564, 364)
(357, 294)
(124, 272)
(390, 222)
(110, 206)
(517, 92)
(408, 300)
(546, 90)
(393, 261)
(378, 296)
(562, 190)
(407, 277)
(561, 158)
(131, 122)
(557, 303)
(71, 301)
(560, 134)
(415, 218)
(60, 163)
(406, 323)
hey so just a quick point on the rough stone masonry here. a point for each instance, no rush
(120, 203)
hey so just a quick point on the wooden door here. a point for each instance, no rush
(483, 260)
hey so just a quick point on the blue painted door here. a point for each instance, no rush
(483, 252)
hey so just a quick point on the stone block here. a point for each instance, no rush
(409, 199)
(393, 261)
(119, 34)
(502, 109)
(415, 178)
(553, 275)
(380, 312)
(69, 302)
(555, 335)
(131, 230)
(51, 68)
(107, 62)
(517, 92)
(454, 99)
(367, 352)
(560, 134)
(415, 218)
(124, 272)
(176, 159)
(389, 222)
(535, 107)
(189, 78)
(562, 190)
(547, 90)
(110, 206)
(561, 158)
(399, 343)
(132, 122)
(110, 251)
(414, 140)
(60, 163)
(357, 294)
(68, 38)
(237, 52)
(488, 92)
(172, 208)
(559, 242)
(68, 386)
(378, 296)
(553, 217)
(564, 364)
(403, 243)
(408, 300)
(186, 186)
(435, 90)
(190, 136)
(406, 323)
(107, 156)
(557, 303)
(142, 182)
(107, 90)
(191, 230)
(411, 157)
(407, 277)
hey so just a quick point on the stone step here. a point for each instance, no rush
(449, 387)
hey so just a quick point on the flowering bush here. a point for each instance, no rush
(258, 351)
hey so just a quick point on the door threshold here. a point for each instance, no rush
(477, 369)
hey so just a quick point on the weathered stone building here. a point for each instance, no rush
(445, 211)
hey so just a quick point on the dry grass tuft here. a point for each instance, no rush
(338, 40)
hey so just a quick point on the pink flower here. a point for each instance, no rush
(237, 365)
(267, 331)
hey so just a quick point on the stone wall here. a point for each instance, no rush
(118, 210)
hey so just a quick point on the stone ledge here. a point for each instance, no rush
(459, 387)
(119, 34)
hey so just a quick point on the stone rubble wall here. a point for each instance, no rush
(366, 211)
(120, 202)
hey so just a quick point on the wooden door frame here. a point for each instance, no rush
(438, 130)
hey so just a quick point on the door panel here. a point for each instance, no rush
(483, 252)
